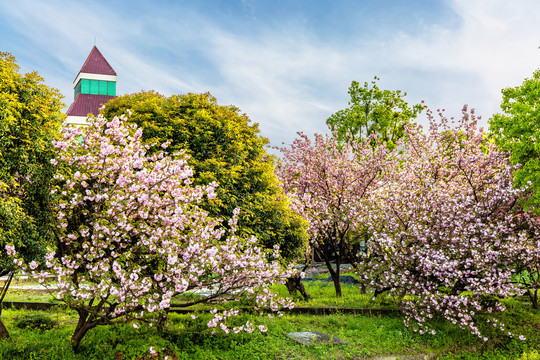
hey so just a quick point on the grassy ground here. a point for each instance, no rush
(30, 295)
(322, 295)
(45, 335)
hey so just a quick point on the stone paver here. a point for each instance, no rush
(314, 337)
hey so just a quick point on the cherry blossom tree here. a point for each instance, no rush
(444, 227)
(131, 236)
(331, 183)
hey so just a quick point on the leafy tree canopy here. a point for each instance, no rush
(373, 111)
(30, 118)
(224, 146)
(517, 130)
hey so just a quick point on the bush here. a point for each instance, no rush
(37, 321)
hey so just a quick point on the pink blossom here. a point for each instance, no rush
(329, 185)
(10, 250)
(136, 236)
(444, 224)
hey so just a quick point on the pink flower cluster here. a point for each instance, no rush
(329, 185)
(131, 236)
(441, 220)
(444, 230)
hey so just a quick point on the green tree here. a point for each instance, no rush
(224, 146)
(30, 118)
(373, 111)
(517, 130)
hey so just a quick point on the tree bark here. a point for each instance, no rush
(3, 331)
(82, 328)
(5, 288)
(79, 334)
(295, 284)
(337, 283)
(534, 298)
(333, 273)
(4, 334)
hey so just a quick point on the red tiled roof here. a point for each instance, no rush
(96, 64)
(86, 104)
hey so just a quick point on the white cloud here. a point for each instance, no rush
(491, 48)
(294, 83)
(277, 81)
(286, 78)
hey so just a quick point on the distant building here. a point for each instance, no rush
(94, 86)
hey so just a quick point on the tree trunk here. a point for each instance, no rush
(534, 298)
(4, 334)
(291, 285)
(5, 288)
(335, 276)
(363, 287)
(333, 273)
(3, 331)
(302, 290)
(79, 334)
(295, 284)
(82, 328)
(337, 283)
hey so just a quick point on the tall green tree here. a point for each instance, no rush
(30, 119)
(224, 146)
(373, 111)
(517, 130)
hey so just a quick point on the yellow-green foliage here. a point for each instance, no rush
(533, 355)
(30, 118)
(517, 130)
(226, 147)
(373, 111)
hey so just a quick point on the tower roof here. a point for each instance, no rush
(96, 64)
(86, 104)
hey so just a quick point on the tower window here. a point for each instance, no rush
(102, 88)
(77, 90)
(85, 86)
(111, 88)
(95, 87)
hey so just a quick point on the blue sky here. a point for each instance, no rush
(287, 64)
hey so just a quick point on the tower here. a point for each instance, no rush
(94, 86)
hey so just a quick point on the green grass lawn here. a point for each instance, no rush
(30, 295)
(46, 334)
(323, 294)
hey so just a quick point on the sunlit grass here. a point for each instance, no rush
(188, 338)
